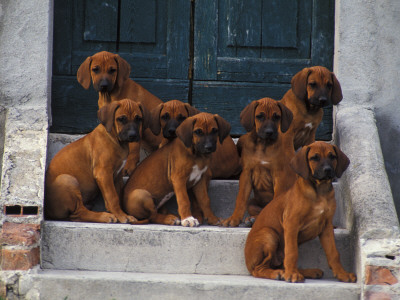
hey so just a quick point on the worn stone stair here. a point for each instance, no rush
(121, 261)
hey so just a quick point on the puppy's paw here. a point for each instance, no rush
(230, 222)
(123, 218)
(346, 277)
(294, 276)
(312, 273)
(172, 220)
(249, 221)
(190, 222)
(106, 217)
(213, 220)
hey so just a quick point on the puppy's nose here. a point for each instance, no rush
(268, 132)
(103, 84)
(133, 136)
(328, 171)
(171, 131)
(209, 147)
(323, 100)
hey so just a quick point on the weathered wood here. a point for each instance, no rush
(101, 20)
(74, 109)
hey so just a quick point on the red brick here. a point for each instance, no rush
(20, 234)
(377, 296)
(19, 259)
(375, 275)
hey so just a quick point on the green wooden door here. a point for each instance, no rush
(246, 50)
(217, 55)
(153, 36)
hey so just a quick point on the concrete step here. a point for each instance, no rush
(77, 285)
(164, 249)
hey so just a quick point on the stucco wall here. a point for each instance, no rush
(367, 63)
(25, 73)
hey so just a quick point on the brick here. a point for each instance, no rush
(377, 296)
(375, 275)
(13, 259)
(20, 234)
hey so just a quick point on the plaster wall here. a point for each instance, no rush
(367, 63)
(25, 73)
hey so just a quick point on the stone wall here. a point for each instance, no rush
(25, 81)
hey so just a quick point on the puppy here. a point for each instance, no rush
(166, 117)
(93, 165)
(304, 212)
(180, 165)
(109, 74)
(265, 154)
(312, 89)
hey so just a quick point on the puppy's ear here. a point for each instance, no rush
(124, 70)
(191, 110)
(146, 116)
(185, 131)
(223, 128)
(286, 117)
(247, 116)
(336, 91)
(299, 83)
(342, 162)
(83, 74)
(106, 115)
(299, 162)
(155, 124)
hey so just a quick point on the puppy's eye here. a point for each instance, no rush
(96, 69)
(138, 119)
(276, 117)
(329, 85)
(312, 84)
(122, 119)
(199, 132)
(181, 118)
(260, 117)
(165, 117)
(112, 71)
(214, 131)
(331, 156)
(315, 157)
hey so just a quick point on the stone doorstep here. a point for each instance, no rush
(165, 249)
(117, 285)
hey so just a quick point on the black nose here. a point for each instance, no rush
(328, 171)
(104, 84)
(323, 100)
(133, 137)
(268, 132)
(171, 131)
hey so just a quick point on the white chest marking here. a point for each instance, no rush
(196, 174)
(122, 166)
(263, 162)
(309, 125)
(165, 199)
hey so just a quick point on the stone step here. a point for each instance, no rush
(164, 249)
(77, 285)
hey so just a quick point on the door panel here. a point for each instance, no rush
(246, 50)
(152, 35)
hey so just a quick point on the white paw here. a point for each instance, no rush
(190, 222)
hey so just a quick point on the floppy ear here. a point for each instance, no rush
(191, 110)
(299, 83)
(154, 122)
(83, 74)
(145, 116)
(342, 162)
(106, 115)
(124, 70)
(336, 91)
(286, 118)
(247, 116)
(185, 131)
(223, 128)
(299, 162)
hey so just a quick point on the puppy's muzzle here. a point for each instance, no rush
(268, 132)
(207, 146)
(325, 172)
(104, 85)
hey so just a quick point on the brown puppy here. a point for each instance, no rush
(176, 167)
(297, 216)
(265, 154)
(93, 164)
(166, 117)
(110, 76)
(312, 89)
